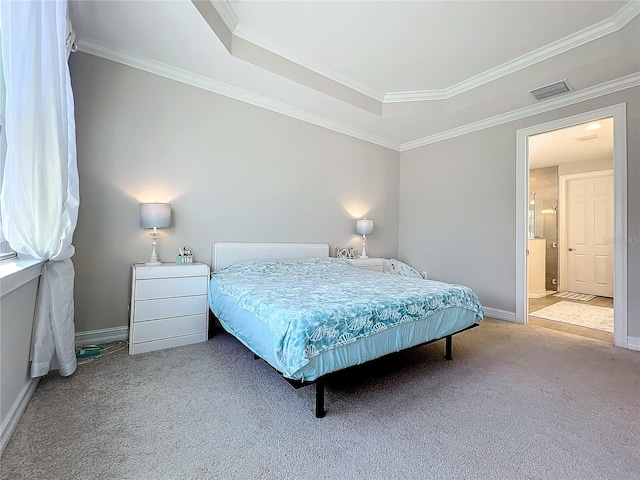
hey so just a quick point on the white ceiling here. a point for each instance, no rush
(412, 46)
(587, 141)
(399, 74)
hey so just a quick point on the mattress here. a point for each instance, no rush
(310, 317)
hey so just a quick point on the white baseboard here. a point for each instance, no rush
(104, 335)
(537, 293)
(499, 314)
(18, 408)
(633, 343)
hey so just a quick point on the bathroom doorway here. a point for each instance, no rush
(573, 172)
(571, 209)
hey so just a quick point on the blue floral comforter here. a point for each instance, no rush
(315, 304)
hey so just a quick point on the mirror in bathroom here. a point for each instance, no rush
(536, 218)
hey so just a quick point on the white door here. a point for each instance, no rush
(590, 235)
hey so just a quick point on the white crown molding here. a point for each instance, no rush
(231, 20)
(623, 16)
(205, 83)
(227, 13)
(626, 13)
(281, 50)
(266, 47)
(417, 96)
(586, 35)
(567, 99)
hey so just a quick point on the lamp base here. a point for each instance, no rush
(364, 247)
(153, 259)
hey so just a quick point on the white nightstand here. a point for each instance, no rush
(369, 263)
(169, 306)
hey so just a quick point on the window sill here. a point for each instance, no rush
(18, 271)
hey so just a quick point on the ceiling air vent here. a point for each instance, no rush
(593, 136)
(551, 90)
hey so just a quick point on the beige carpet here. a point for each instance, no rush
(589, 316)
(516, 402)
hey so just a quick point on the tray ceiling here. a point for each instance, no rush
(399, 74)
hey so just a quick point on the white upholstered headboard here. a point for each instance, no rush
(224, 254)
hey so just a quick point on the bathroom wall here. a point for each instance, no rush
(544, 182)
(586, 166)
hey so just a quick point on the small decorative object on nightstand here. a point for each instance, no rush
(364, 227)
(169, 306)
(184, 256)
(349, 252)
(369, 263)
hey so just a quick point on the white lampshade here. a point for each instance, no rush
(156, 215)
(364, 227)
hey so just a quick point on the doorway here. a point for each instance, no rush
(586, 265)
(617, 114)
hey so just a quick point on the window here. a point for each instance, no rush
(5, 250)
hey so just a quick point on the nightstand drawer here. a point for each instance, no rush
(167, 343)
(169, 307)
(170, 287)
(169, 327)
(171, 270)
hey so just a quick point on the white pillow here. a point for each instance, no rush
(396, 267)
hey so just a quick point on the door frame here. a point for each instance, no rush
(619, 114)
(563, 180)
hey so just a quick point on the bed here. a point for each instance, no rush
(308, 315)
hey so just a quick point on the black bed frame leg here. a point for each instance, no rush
(447, 347)
(320, 411)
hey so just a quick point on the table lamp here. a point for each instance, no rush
(364, 227)
(155, 215)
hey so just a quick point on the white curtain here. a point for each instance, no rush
(39, 191)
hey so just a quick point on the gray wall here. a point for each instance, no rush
(457, 206)
(232, 172)
(235, 172)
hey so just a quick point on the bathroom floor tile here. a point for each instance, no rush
(538, 303)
